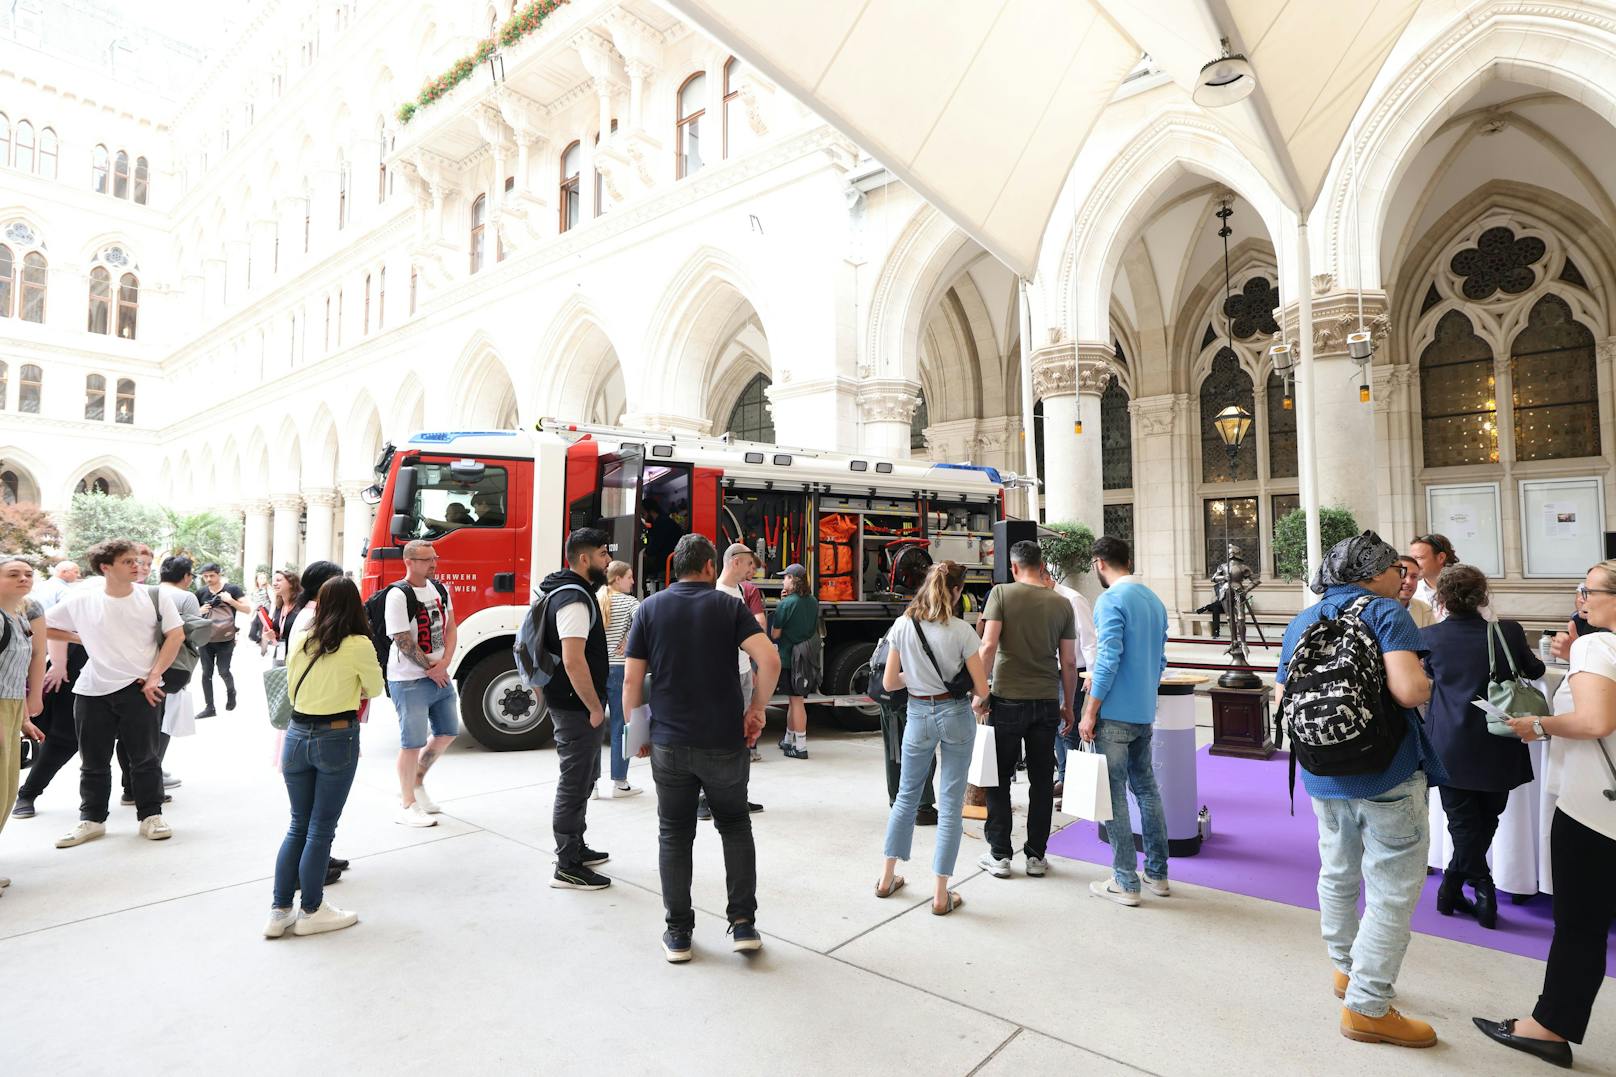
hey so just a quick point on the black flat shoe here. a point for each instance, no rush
(340, 865)
(1551, 1051)
(925, 816)
(333, 875)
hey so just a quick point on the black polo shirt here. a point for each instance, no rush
(688, 634)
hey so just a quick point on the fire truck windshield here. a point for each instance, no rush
(444, 503)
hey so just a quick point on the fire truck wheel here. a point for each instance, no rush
(498, 711)
(846, 673)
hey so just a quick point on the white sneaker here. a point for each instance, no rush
(1108, 889)
(624, 790)
(154, 828)
(279, 921)
(1037, 867)
(414, 815)
(326, 918)
(999, 869)
(428, 805)
(1158, 887)
(85, 831)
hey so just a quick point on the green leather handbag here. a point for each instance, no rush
(1513, 696)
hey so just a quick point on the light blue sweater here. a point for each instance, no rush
(1131, 654)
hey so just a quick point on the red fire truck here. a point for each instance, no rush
(497, 506)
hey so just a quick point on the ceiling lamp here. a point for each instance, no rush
(1224, 81)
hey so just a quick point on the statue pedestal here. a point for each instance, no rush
(1241, 722)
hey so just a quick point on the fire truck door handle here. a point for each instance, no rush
(504, 583)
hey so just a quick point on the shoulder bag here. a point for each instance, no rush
(1512, 696)
(960, 684)
(276, 695)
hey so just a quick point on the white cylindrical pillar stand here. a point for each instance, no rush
(319, 539)
(285, 552)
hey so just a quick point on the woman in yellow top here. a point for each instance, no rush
(330, 668)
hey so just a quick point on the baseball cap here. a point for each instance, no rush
(795, 570)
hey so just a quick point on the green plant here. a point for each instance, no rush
(1068, 554)
(92, 517)
(28, 532)
(1290, 538)
(518, 26)
(205, 537)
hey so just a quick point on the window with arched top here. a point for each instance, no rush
(342, 194)
(1226, 383)
(29, 386)
(600, 182)
(1281, 430)
(1458, 400)
(128, 305)
(381, 297)
(1116, 438)
(95, 398)
(24, 159)
(100, 170)
(5, 383)
(365, 332)
(687, 128)
(142, 181)
(479, 214)
(47, 153)
(10, 487)
(8, 280)
(750, 418)
(568, 196)
(125, 412)
(35, 277)
(731, 106)
(1555, 385)
(5, 140)
(120, 175)
(100, 314)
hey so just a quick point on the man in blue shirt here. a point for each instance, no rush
(1373, 828)
(1130, 654)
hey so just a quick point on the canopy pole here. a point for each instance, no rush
(1029, 432)
(1305, 403)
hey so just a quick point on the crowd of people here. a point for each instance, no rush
(99, 668)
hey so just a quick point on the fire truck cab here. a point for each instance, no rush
(497, 506)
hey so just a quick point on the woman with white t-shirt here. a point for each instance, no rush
(930, 646)
(617, 609)
(1582, 841)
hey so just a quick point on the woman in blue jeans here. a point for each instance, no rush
(330, 668)
(930, 646)
(617, 609)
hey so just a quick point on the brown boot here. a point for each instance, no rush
(1341, 980)
(1394, 1028)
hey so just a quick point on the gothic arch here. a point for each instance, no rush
(320, 451)
(109, 468)
(407, 414)
(709, 301)
(483, 389)
(581, 379)
(906, 290)
(360, 439)
(27, 469)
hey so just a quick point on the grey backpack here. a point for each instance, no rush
(198, 633)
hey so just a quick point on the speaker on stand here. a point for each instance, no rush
(1006, 533)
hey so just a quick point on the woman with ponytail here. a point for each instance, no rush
(930, 648)
(617, 608)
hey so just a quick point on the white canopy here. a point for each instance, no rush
(983, 105)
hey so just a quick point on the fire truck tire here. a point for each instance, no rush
(846, 673)
(498, 711)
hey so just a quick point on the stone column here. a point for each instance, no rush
(1396, 427)
(356, 520)
(255, 537)
(887, 407)
(1069, 381)
(1093, 375)
(318, 541)
(1164, 552)
(1344, 433)
(284, 550)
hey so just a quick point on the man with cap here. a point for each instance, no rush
(796, 619)
(1374, 830)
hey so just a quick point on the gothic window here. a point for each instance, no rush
(600, 182)
(1240, 513)
(4, 379)
(1458, 409)
(687, 131)
(100, 319)
(1116, 438)
(47, 153)
(35, 275)
(1432, 298)
(142, 181)
(1281, 431)
(1119, 522)
(1556, 385)
(917, 423)
(750, 419)
(25, 146)
(731, 92)
(10, 487)
(1572, 275)
(571, 163)
(381, 297)
(5, 140)
(1251, 310)
(1498, 263)
(1226, 384)
(126, 402)
(128, 305)
(8, 268)
(101, 170)
(28, 390)
(1209, 337)
(479, 214)
(120, 175)
(95, 398)
(366, 331)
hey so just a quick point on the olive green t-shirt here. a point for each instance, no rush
(1034, 620)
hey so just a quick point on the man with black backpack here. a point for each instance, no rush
(1350, 677)
(419, 619)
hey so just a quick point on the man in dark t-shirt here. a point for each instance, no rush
(685, 637)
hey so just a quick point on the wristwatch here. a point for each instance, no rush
(1537, 727)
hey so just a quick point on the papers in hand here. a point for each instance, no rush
(637, 733)
(1492, 711)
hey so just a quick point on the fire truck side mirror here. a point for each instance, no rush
(404, 490)
(399, 527)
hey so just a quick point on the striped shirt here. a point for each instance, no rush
(624, 607)
(19, 651)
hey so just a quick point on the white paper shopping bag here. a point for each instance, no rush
(1087, 793)
(984, 772)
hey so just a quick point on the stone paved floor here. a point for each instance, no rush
(129, 957)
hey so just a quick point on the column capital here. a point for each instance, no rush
(1054, 368)
(353, 488)
(1389, 383)
(1605, 351)
(257, 507)
(1157, 415)
(1336, 315)
(287, 502)
(325, 496)
(1093, 376)
(888, 400)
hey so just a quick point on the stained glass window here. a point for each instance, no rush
(1242, 521)
(1226, 384)
(750, 419)
(1458, 411)
(1281, 432)
(1119, 522)
(1116, 438)
(1556, 385)
(1251, 310)
(1498, 263)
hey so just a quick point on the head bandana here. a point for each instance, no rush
(1361, 557)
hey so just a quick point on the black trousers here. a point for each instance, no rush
(1033, 723)
(578, 751)
(174, 680)
(1472, 822)
(61, 731)
(217, 655)
(893, 721)
(1584, 882)
(680, 775)
(104, 721)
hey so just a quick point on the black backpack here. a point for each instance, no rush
(1337, 709)
(536, 663)
(376, 614)
(876, 688)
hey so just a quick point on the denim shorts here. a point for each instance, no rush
(422, 705)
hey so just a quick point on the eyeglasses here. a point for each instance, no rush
(1583, 591)
(423, 560)
(1402, 570)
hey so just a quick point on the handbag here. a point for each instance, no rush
(984, 772)
(960, 684)
(876, 687)
(1513, 696)
(1087, 792)
(277, 698)
(224, 621)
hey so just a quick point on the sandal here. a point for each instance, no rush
(954, 902)
(897, 884)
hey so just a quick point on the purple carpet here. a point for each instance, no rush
(1258, 849)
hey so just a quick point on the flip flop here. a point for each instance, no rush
(954, 902)
(897, 884)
